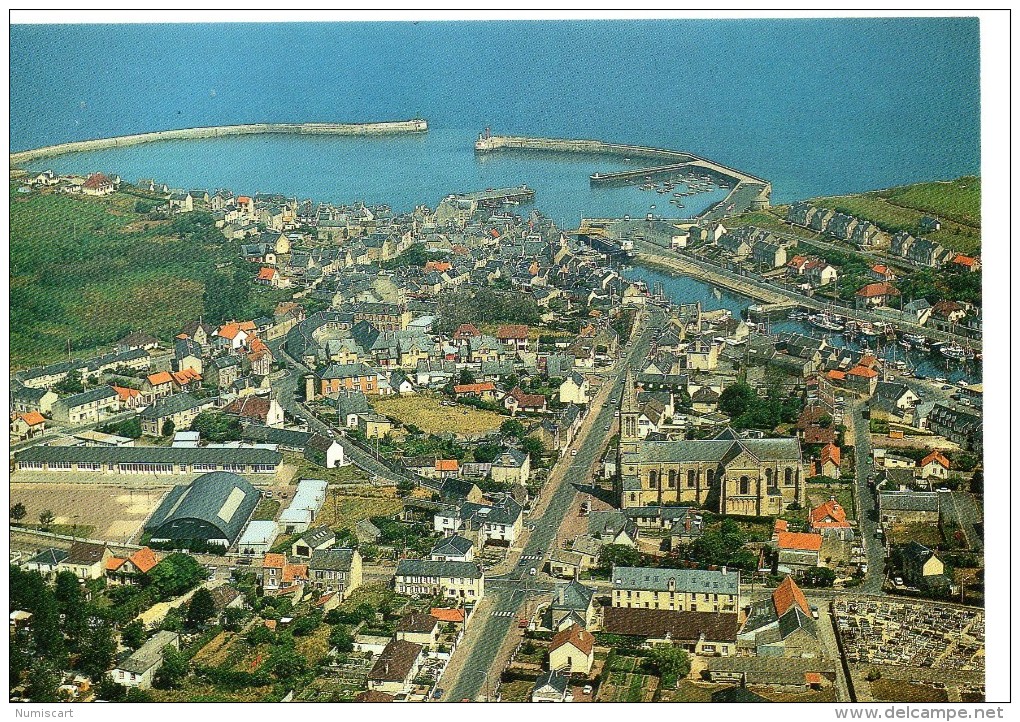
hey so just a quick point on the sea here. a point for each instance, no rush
(821, 106)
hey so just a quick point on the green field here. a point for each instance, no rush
(89, 270)
(956, 203)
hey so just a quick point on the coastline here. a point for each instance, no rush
(396, 127)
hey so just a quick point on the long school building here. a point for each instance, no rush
(147, 460)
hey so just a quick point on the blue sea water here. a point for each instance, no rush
(821, 106)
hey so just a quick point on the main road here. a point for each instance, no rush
(867, 506)
(506, 594)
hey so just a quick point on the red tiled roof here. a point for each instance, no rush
(512, 332)
(229, 330)
(799, 541)
(835, 375)
(32, 418)
(829, 510)
(830, 452)
(114, 563)
(787, 594)
(125, 393)
(267, 274)
(576, 635)
(781, 525)
(466, 330)
(963, 260)
(447, 465)
(96, 180)
(527, 400)
(937, 457)
(274, 561)
(448, 615)
(881, 288)
(249, 407)
(474, 388)
(144, 559)
(438, 266)
(162, 377)
(862, 371)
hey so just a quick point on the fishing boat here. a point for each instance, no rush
(953, 351)
(916, 339)
(825, 321)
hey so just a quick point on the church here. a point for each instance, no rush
(746, 477)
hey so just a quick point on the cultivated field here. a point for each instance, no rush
(353, 505)
(425, 412)
(105, 512)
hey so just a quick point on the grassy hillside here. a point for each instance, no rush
(956, 203)
(93, 269)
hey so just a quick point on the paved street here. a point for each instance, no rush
(510, 592)
(867, 504)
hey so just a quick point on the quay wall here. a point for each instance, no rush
(384, 128)
(669, 160)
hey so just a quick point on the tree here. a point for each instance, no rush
(340, 638)
(512, 428)
(466, 377)
(232, 619)
(132, 635)
(43, 683)
(307, 624)
(261, 634)
(533, 447)
(71, 604)
(672, 663)
(818, 577)
(174, 669)
(96, 655)
(405, 487)
(736, 399)
(977, 482)
(175, 575)
(201, 609)
(487, 453)
(288, 664)
(217, 427)
(168, 428)
(49, 640)
(620, 555)
(45, 519)
(18, 512)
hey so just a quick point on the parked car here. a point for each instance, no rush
(587, 689)
(898, 581)
(573, 452)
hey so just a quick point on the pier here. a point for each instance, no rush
(495, 197)
(415, 125)
(748, 192)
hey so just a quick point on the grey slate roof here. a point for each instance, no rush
(908, 501)
(149, 654)
(687, 580)
(175, 404)
(331, 559)
(284, 437)
(217, 502)
(317, 536)
(427, 568)
(149, 454)
(575, 596)
(87, 397)
(452, 546)
(715, 450)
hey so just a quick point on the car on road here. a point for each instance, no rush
(586, 689)
(573, 452)
(522, 623)
(533, 571)
(814, 611)
(944, 490)
(898, 581)
(608, 427)
(864, 568)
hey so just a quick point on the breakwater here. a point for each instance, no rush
(747, 193)
(415, 125)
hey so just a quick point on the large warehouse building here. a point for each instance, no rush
(214, 508)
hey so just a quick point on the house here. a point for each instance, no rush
(148, 460)
(308, 499)
(278, 573)
(336, 378)
(828, 461)
(500, 522)
(395, 668)
(862, 380)
(262, 410)
(336, 570)
(325, 451)
(28, 425)
(223, 371)
(962, 427)
(131, 569)
(909, 507)
(258, 537)
(572, 650)
(934, 465)
(575, 390)
(882, 273)
(552, 686)
(97, 184)
(313, 540)
(876, 294)
(453, 549)
(86, 560)
(88, 407)
(511, 467)
(781, 625)
(179, 409)
(460, 581)
(138, 668)
(687, 590)
(612, 527)
(268, 276)
(24, 399)
(970, 264)
(798, 551)
(47, 562)
(485, 390)
(231, 336)
(572, 603)
(830, 519)
(513, 336)
(919, 563)
(419, 628)
(708, 634)
(517, 400)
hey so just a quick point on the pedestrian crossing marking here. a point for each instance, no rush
(504, 613)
